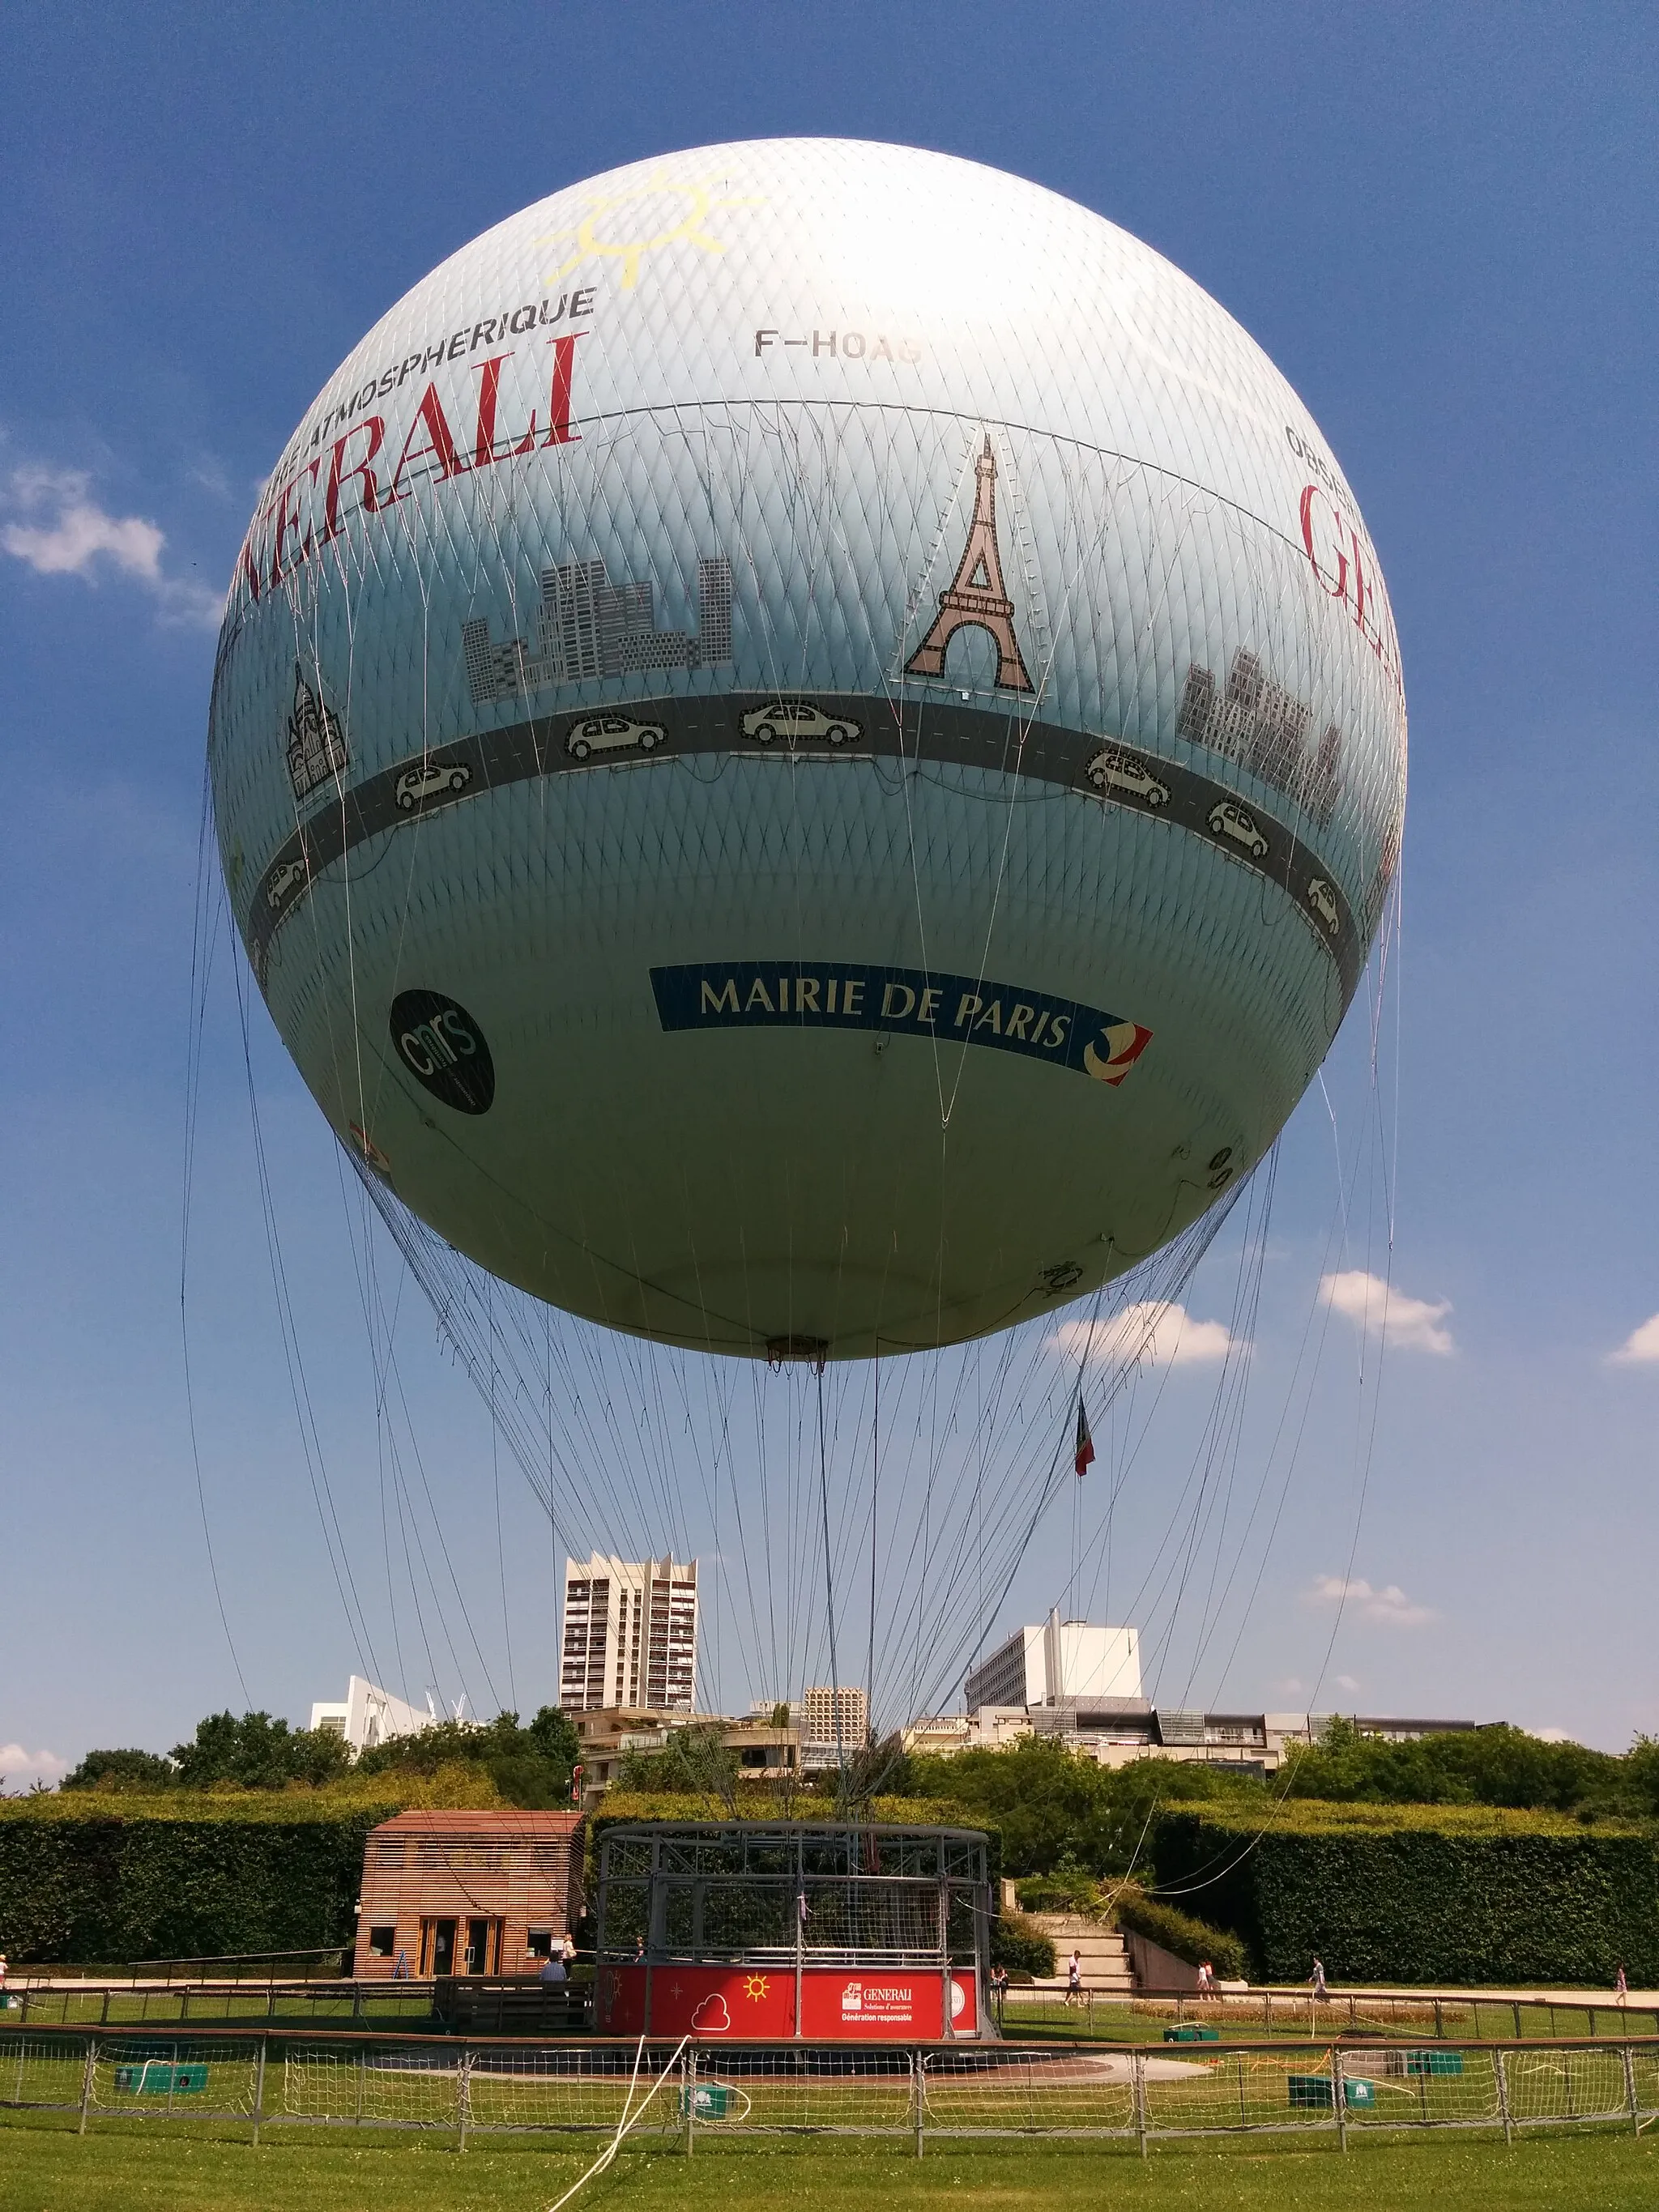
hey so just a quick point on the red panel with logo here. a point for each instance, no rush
(874, 2006)
(741, 2002)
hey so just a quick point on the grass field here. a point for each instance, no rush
(45, 2167)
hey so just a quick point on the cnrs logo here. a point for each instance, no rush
(444, 1049)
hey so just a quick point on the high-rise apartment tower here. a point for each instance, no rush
(630, 1634)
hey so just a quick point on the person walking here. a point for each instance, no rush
(1206, 1978)
(1321, 1994)
(999, 1991)
(1620, 1987)
(1074, 1978)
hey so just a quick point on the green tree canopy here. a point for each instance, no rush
(1057, 1809)
(259, 1752)
(1498, 1765)
(121, 1770)
(531, 1766)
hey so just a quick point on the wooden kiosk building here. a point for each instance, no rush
(466, 1893)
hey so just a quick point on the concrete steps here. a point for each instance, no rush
(1103, 1951)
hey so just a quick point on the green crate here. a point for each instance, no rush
(1310, 2089)
(161, 2077)
(1434, 2062)
(708, 2101)
(1189, 2032)
(1317, 2090)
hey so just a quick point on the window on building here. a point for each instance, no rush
(539, 1943)
(381, 1942)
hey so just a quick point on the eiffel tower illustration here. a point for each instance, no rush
(975, 599)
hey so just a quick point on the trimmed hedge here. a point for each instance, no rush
(93, 1878)
(1460, 1895)
(1194, 1940)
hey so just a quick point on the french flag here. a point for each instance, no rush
(1085, 1455)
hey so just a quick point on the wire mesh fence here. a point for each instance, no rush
(326, 2003)
(1260, 2014)
(914, 2091)
(1295, 2015)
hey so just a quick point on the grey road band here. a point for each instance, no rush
(840, 727)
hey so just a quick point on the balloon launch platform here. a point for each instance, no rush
(737, 1930)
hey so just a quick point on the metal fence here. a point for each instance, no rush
(325, 1961)
(1294, 2013)
(1255, 2016)
(909, 2091)
(137, 2003)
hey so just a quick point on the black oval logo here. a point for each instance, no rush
(444, 1049)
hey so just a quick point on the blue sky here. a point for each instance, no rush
(1440, 224)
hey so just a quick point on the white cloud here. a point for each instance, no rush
(1640, 1348)
(1408, 1324)
(1389, 1607)
(1346, 1682)
(1550, 1735)
(18, 1765)
(1156, 1333)
(58, 529)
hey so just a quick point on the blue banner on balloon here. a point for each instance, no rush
(838, 995)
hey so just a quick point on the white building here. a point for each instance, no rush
(992, 1728)
(838, 1717)
(370, 1715)
(1063, 1663)
(630, 1635)
(829, 1722)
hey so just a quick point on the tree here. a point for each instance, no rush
(1496, 1766)
(121, 1770)
(531, 1766)
(554, 1736)
(1060, 1809)
(259, 1752)
(695, 1762)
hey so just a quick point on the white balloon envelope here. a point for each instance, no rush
(808, 745)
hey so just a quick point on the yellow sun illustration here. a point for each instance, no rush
(755, 1985)
(701, 201)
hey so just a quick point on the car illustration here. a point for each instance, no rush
(611, 733)
(1322, 899)
(288, 878)
(797, 717)
(430, 780)
(1117, 771)
(1229, 819)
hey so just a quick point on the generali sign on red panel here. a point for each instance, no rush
(883, 2005)
(736, 2002)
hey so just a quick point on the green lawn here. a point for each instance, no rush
(45, 2168)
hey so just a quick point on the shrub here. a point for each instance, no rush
(181, 1874)
(1065, 1890)
(130, 1877)
(1194, 1940)
(1018, 1943)
(1460, 1895)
